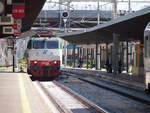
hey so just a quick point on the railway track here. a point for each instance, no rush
(66, 100)
(126, 82)
(112, 97)
(113, 90)
(116, 91)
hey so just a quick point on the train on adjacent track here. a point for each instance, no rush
(44, 57)
(147, 57)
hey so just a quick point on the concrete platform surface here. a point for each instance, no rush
(18, 95)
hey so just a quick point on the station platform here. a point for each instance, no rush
(18, 95)
(132, 81)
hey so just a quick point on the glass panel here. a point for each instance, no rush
(29, 46)
(52, 44)
(60, 44)
(38, 44)
(146, 44)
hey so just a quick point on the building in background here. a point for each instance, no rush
(6, 54)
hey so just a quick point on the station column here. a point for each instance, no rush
(74, 57)
(87, 58)
(97, 61)
(115, 53)
(13, 69)
(127, 58)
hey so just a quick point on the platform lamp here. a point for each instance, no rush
(2, 7)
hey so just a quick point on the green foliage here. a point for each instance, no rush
(2, 66)
(22, 61)
(26, 54)
(91, 64)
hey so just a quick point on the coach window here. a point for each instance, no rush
(148, 47)
(52, 44)
(147, 44)
(38, 44)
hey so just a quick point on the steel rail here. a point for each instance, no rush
(81, 99)
(56, 102)
(117, 91)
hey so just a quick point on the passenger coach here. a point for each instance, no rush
(147, 57)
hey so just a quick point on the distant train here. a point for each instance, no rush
(147, 57)
(44, 57)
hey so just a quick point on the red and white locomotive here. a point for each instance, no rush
(44, 57)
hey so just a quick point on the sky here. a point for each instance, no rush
(53, 5)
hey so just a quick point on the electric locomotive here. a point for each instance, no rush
(44, 57)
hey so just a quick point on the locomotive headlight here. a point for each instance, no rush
(55, 62)
(35, 62)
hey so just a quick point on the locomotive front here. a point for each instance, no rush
(44, 57)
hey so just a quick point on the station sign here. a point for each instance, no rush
(8, 30)
(18, 11)
(17, 26)
(6, 20)
(18, 1)
(17, 32)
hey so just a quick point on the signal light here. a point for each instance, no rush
(65, 14)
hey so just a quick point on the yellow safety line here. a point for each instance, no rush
(23, 94)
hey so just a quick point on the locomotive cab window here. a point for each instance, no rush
(29, 46)
(52, 44)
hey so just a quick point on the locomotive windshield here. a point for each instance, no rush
(38, 44)
(43, 44)
(52, 45)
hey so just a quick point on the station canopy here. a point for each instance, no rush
(129, 28)
(87, 0)
(32, 9)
